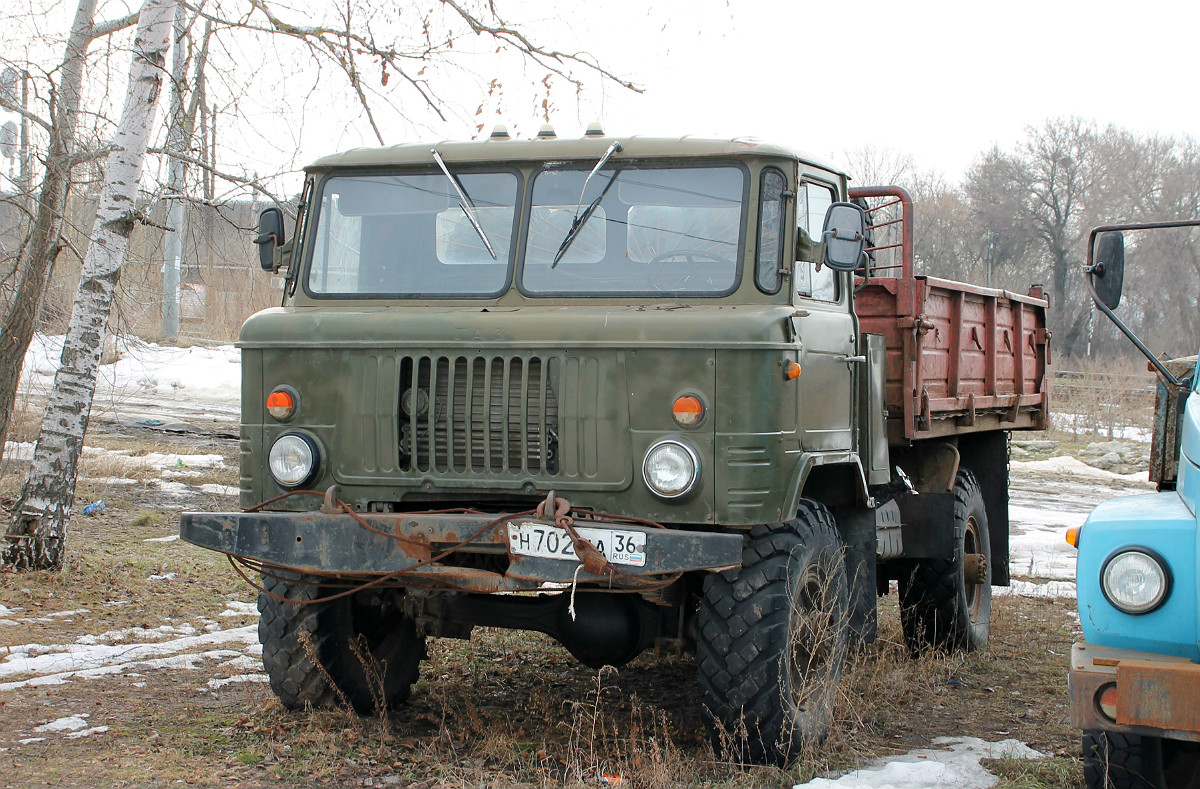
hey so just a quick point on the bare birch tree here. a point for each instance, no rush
(37, 536)
(43, 240)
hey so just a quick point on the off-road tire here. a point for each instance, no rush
(773, 639)
(1112, 760)
(939, 608)
(358, 650)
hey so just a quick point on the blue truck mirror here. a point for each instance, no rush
(1108, 268)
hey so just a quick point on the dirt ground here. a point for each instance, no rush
(153, 666)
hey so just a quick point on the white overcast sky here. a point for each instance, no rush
(939, 81)
(942, 81)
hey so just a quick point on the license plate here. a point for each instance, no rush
(551, 542)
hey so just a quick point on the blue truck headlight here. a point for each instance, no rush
(671, 469)
(1135, 580)
(293, 460)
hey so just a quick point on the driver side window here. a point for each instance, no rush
(813, 201)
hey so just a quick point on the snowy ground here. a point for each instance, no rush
(232, 651)
(202, 384)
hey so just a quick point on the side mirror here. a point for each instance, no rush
(270, 236)
(1107, 273)
(844, 236)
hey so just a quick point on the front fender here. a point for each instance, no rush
(1164, 524)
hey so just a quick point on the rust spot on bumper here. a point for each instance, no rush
(1162, 695)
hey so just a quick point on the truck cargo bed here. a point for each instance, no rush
(960, 358)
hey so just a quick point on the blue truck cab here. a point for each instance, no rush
(1135, 678)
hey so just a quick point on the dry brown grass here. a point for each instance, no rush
(1095, 400)
(505, 709)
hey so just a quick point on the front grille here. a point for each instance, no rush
(478, 413)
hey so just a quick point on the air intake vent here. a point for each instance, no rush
(478, 414)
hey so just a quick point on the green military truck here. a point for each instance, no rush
(633, 393)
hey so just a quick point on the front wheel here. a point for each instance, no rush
(358, 650)
(773, 639)
(1113, 760)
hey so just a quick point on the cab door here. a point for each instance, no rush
(825, 333)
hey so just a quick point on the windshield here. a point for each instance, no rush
(651, 231)
(408, 236)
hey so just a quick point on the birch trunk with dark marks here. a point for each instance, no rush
(36, 537)
(40, 248)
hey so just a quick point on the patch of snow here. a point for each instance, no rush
(953, 766)
(111, 481)
(1070, 466)
(143, 634)
(238, 608)
(142, 367)
(168, 538)
(93, 660)
(1048, 497)
(72, 612)
(87, 732)
(72, 723)
(176, 489)
(18, 450)
(174, 462)
(1050, 589)
(221, 490)
(244, 662)
(218, 683)
(164, 577)
(180, 473)
(5, 610)
(30, 740)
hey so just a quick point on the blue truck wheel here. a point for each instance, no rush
(1114, 760)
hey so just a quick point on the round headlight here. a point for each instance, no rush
(292, 460)
(1135, 580)
(671, 469)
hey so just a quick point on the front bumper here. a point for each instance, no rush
(338, 545)
(1157, 695)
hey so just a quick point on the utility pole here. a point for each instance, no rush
(176, 173)
(992, 240)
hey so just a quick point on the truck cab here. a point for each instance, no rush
(1135, 678)
(634, 393)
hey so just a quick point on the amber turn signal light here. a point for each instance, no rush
(281, 404)
(1073, 536)
(1106, 700)
(791, 370)
(687, 410)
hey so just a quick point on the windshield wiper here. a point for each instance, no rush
(581, 219)
(465, 203)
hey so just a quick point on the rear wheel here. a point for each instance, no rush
(1112, 760)
(359, 649)
(773, 638)
(947, 603)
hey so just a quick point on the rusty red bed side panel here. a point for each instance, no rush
(960, 358)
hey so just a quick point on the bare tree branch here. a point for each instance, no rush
(24, 113)
(113, 25)
(517, 39)
(252, 183)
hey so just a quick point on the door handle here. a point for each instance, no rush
(853, 359)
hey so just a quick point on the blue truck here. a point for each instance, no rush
(1135, 679)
